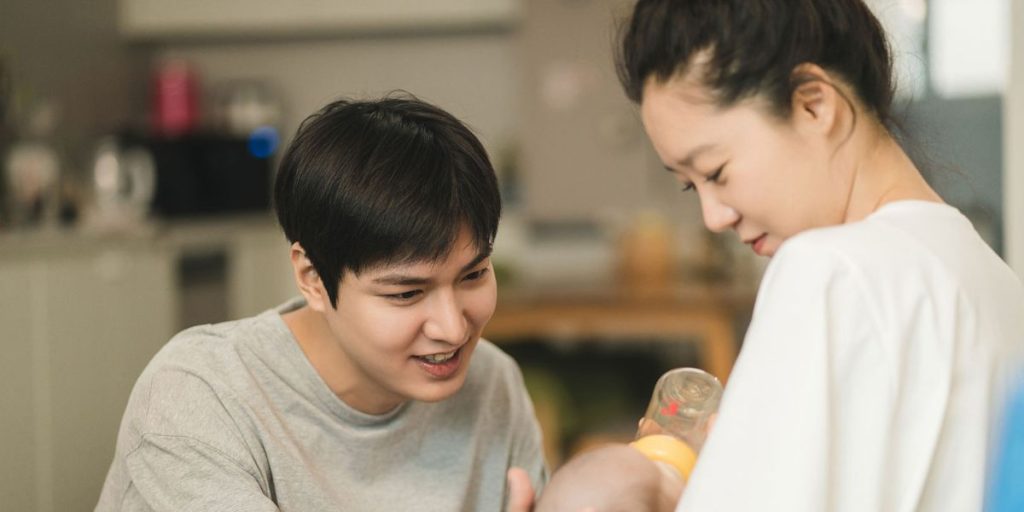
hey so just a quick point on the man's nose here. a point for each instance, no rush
(446, 320)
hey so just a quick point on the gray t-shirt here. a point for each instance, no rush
(234, 417)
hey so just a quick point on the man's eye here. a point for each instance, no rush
(473, 276)
(409, 295)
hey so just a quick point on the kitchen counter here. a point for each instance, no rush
(186, 235)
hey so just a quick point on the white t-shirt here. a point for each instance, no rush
(873, 372)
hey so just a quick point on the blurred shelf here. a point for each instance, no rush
(675, 312)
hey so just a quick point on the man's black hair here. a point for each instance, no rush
(370, 183)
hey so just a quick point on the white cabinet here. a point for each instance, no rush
(80, 317)
(259, 272)
(78, 325)
(17, 421)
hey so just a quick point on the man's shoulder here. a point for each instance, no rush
(203, 372)
(213, 352)
(202, 345)
(491, 363)
(493, 376)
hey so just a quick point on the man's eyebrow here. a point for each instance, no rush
(408, 280)
(484, 254)
(401, 280)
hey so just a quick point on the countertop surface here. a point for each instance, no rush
(186, 234)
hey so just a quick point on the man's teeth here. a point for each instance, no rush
(440, 358)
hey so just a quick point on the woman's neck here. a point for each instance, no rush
(882, 173)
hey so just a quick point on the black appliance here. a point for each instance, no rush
(208, 174)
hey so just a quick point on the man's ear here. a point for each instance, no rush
(818, 106)
(308, 280)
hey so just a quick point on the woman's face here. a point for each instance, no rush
(763, 177)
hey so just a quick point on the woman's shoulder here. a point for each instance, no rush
(830, 255)
(905, 239)
(900, 259)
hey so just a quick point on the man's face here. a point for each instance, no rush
(408, 330)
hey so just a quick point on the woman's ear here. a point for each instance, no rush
(817, 104)
(308, 280)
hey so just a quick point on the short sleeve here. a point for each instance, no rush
(772, 447)
(527, 440)
(192, 455)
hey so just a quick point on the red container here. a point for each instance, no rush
(174, 99)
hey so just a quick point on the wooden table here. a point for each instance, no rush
(702, 314)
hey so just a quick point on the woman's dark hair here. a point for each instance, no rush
(368, 183)
(753, 47)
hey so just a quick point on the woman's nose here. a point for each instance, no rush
(718, 217)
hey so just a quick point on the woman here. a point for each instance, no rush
(874, 370)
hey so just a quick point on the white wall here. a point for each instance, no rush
(184, 18)
(473, 75)
(68, 52)
(1013, 144)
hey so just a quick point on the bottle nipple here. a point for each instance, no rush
(669, 450)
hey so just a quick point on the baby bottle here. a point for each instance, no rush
(677, 419)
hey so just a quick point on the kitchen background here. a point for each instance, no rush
(138, 139)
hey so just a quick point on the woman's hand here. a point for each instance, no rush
(520, 491)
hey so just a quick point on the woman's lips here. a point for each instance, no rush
(758, 244)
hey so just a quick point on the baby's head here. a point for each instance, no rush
(611, 478)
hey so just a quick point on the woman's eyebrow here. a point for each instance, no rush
(687, 161)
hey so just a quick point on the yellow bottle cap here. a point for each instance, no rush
(668, 449)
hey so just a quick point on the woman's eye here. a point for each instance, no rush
(713, 177)
(688, 187)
